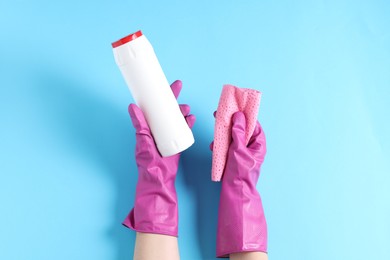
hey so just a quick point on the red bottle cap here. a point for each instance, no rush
(127, 39)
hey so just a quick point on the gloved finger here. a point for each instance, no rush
(211, 146)
(190, 120)
(257, 141)
(176, 88)
(185, 109)
(256, 132)
(138, 120)
(238, 128)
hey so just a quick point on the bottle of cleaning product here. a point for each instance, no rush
(150, 89)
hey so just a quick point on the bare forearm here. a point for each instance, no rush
(155, 246)
(249, 256)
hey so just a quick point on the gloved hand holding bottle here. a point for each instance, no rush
(155, 212)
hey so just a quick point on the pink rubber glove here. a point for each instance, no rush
(241, 221)
(155, 209)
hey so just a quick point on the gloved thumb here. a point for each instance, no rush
(138, 120)
(238, 128)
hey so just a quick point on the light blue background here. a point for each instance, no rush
(67, 145)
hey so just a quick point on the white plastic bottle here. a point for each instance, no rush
(151, 91)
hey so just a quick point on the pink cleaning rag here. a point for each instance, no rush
(232, 99)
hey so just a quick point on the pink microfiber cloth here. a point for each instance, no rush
(232, 99)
